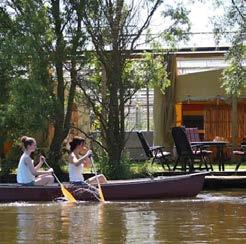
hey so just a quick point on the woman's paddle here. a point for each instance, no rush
(98, 183)
(65, 192)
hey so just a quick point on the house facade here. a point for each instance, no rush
(202, 102)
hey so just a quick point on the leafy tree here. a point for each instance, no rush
(69, 40)
(161, 72)
(44, 43)
(26, 99)
(5, 70)
(5, 67)
(234, 76)
(115, 27)
(28, 103)
(232, 26)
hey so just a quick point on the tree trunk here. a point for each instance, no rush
(104, 110)
(55, 147)
(115, 140)
(62, 120)
(113, 143)
(164, 108)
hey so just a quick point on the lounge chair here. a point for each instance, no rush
(187, 154)
(242, 154)
(156, 153)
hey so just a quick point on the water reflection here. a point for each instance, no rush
(26, 225)
(211, 217)
(140, 223)
(80, 222)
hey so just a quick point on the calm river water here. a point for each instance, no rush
(211, 217)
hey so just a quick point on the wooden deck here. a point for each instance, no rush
(219, 179)
(226, 181)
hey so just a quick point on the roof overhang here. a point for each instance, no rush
(201, 86)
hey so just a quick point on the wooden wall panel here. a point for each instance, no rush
(217, 121)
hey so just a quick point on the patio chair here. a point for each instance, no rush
(242, 154)
(156, 153)
(192, 134)
(187, 154)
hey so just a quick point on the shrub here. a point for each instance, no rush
(123, 170)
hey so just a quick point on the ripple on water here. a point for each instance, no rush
(239, 198)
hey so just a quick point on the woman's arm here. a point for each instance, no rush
(40, 164)
(87, 162)
(77, 162)
(34, 171)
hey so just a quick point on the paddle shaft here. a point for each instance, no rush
(98, 183)
(53, 172)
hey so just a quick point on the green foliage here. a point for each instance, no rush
(123, 170)
(177, 29)
(155, 71)
(232, 26)
(10, 163)
(133, 77)
(29, 107)
(115, 29)
(39, 40)
(179, 24)
(142, 170)
(234, 76)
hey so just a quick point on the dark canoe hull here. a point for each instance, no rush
(158, 188)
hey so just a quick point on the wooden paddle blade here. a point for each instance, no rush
(67, 194)
(100, 193)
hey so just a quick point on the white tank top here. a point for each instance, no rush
(24, 175)
(75, 172)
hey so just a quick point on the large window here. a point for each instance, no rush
(193, 121)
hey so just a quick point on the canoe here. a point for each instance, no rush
(181, 186)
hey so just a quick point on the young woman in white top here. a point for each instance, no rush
(78, 161)
(27, 173)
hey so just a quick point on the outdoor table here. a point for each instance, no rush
(219, 152)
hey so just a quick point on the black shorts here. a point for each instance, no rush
(80, 183)
(84, 185)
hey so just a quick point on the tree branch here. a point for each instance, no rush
(238, 10)
(146, 23)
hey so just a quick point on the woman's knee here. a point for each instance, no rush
(51, 179)
(44, 180)
(102, 179)
(93, 180)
